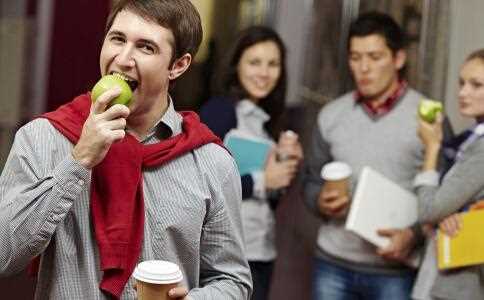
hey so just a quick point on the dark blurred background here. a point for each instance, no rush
(49, 53)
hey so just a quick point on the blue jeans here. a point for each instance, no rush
(333, 282)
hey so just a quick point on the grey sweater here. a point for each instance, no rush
(389, 144)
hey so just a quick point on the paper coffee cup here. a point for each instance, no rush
(336, 176)
(155, 278)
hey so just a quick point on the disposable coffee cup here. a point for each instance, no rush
(154, 278)
(337, 177)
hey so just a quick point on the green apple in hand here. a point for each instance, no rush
(428, 109)
(108, 82)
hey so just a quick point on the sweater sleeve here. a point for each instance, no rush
(318, 156)
(247, 186)
(460, 186)
(219, 115)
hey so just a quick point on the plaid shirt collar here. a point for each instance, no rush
(385, 107)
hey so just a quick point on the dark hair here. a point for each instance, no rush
(180, 16)
(382, 24)
(374, 22)
(477, 54)
(229, 84)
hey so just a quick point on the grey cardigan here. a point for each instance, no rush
(462, 185)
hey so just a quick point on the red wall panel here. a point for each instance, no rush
(77, 35)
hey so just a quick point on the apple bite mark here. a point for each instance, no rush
(133, 84)
(428, 109)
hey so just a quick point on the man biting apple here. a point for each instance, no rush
(94, 188)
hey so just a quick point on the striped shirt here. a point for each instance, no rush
(192, 217)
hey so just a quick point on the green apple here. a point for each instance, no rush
(108, 82)
(428, 109)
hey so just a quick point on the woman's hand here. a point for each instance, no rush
(451, 225)
(431, 134)
(278, 174)
(288, 146)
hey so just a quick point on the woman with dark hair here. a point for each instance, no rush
(461, 188)
(252, 97)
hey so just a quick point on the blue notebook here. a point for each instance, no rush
(249, 154)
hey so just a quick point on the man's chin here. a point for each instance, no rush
(366, 94)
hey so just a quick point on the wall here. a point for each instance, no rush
(466, 25)
(77, 36)
(29, 72)
(292, 23)
(13, 31)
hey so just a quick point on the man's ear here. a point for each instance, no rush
(180, 65)
(400, 59)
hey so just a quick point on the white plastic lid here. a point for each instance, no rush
(335, 171)
(158, 272)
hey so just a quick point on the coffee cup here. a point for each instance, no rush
(337, 177)
(154, 278)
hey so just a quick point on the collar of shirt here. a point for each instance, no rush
(249, 108)
(479, 129)
(475, 133)
(168, 125)
(387, 105)
(251, 118)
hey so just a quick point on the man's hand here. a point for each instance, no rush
(401, 244)
(332, 204)
(180, 292)
(102, 128)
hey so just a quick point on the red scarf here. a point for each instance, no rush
(117, 203)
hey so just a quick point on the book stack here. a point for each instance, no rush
(467, 247)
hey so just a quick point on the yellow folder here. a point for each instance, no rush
(467, 247)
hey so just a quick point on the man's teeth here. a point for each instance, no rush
(133, 84)
(124, 77)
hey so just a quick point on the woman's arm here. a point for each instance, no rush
(462, 184)
(219, 115)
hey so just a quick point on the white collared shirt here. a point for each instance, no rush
(257, 217)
